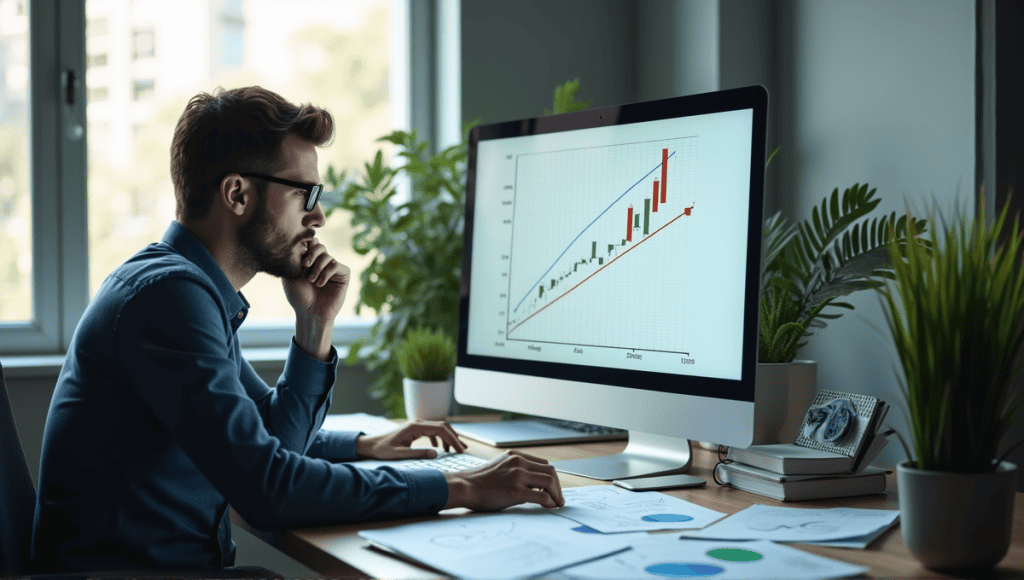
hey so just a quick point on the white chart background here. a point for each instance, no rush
(673, 295)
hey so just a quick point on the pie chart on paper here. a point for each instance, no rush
(678, 570)
(667, 518)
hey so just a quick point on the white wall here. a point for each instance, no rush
(514, 54)
(877, 92)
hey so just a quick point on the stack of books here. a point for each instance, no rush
(809, 468)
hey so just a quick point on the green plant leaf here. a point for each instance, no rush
(954, 309)
(565, 99)
(837, 251)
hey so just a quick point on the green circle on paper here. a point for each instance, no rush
(735, 555)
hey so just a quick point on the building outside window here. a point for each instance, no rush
(96, 59)
(333, 53)
(143, 45)
(108, 187)
(143, 89)
(15, 178)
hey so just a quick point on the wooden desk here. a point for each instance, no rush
(337, 552)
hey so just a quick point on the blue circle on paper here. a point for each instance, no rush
(585, 530)
(674, 570)
(667, 518)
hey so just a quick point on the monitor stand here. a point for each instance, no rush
(645, 455)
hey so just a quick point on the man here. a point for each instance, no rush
(157, 423)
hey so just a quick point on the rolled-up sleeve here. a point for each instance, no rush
(182, 369)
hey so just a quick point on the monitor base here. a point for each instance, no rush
(645, 455)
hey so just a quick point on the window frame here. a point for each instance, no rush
(59, 240)
(428, 49)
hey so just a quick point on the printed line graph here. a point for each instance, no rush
(567, 228)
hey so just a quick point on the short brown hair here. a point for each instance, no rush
(231, 131)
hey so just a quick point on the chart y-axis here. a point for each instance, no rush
(511, 244)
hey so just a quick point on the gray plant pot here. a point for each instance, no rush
(957, 521)
(784, 392)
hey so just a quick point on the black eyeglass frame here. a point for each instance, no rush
(313, 190)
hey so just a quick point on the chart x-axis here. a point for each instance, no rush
(598, 346)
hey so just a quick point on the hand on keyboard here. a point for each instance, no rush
(397, 444)
(507, 480)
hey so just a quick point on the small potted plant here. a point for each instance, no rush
(426, 359)
(808, 268)
(955, 308)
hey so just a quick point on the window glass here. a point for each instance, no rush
(15, 163)
(333, 53)
(143, 45)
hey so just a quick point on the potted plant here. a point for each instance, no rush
(416, 243)
(807, 269)
(955, 308)
(427, 360)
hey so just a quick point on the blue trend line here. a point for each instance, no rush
(656, 167)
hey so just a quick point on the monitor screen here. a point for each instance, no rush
(616, 249)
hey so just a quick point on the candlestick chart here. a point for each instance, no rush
(601, 244)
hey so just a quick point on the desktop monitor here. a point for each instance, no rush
(611, 269)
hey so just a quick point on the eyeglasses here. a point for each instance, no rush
(313, 190)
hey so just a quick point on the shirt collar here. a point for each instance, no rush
(188, 245)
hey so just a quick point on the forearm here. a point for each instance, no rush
(458, 491)
(314, 337)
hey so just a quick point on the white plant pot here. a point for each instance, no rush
(957, 521)
(429, 400)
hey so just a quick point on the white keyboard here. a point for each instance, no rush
(445, 461)
(449, 463)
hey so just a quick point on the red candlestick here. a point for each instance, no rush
(664, 172)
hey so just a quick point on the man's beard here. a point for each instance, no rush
(264, 248)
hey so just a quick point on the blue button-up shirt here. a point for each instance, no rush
(157, 424)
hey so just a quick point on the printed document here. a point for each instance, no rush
(609, 509)
(518, 543)
(711, 559)
(785, 524)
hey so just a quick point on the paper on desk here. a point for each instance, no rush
(716, 559)
(858, 543)
(369, 424)
(517, 543)
(609, 509)
(786, 524)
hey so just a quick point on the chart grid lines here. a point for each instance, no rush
(559, 187)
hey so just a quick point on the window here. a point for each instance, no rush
(57, 242)
(302, 50)
(143, 89)
(143, 45)
(97, 27)
(234, 46)
(42, 137)
(15, 167)
(97, 94)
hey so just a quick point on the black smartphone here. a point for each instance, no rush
(660, 482)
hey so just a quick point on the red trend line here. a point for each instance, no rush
(686, 212)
